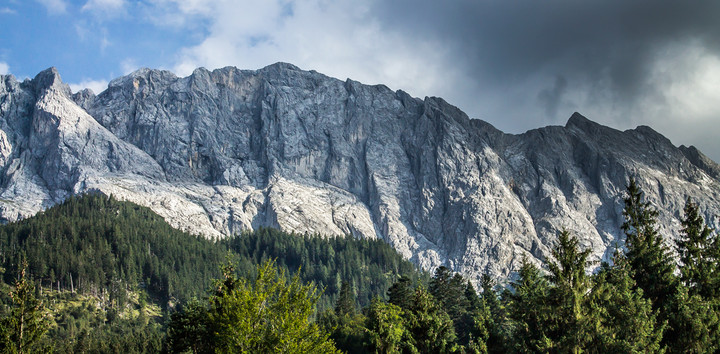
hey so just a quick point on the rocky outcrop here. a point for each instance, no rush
(222, 151)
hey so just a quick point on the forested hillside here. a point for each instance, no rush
(98, 275)
(112, 269)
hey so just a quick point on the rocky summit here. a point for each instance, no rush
(223, 151)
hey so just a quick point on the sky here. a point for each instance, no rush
(518, 64)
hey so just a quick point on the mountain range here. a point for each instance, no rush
(223, 151)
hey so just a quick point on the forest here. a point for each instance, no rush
(99, 275)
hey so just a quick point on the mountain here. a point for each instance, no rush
(227, 150)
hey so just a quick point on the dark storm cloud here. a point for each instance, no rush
(532, 63)
(609, 45)
(510, 40)
(551, 98)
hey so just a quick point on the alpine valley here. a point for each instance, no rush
(223, 151)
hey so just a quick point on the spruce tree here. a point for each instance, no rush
(273, 314)
(401, 292)
(567, 295)
(528, 310)
(27, 321)
(431, 328)
(386, 328)
(648, 257)
(497, 341)
(345, 304)
(456, 296)
(621, 319)
(697, 247)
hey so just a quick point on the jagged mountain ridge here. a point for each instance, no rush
(225, 150)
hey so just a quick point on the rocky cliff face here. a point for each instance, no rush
(223, 151)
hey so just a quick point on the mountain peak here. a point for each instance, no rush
(281, 66)
(580, 121)
(49, 78)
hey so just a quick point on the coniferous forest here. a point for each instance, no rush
(98, 275)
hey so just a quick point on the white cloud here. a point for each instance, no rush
(7, 10)
(4, 68)
(82, 31)
(128, 65)
(54, 7)
(96, 86)
(104, 43)
(105, 7)
(339, 39)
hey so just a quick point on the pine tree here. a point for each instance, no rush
(698, 252)
(386, 328)
(567, 295)
(649, 258)
(273, 314)
(27, 321)
(497, 341)
(345, 304)
(430, 326)
(528, 311)
(455, 295)
(188, 329)
(695, 324)
(621, 318)
(401, 292)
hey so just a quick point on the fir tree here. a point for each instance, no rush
(386, 328)
(649, 258)
(621, 318)
(697, 247)
(567, 295)
(528, 311)
(430, 326)
(273, 314)
(27, 321)
(497, 341)
(345, 304)
(401, 292)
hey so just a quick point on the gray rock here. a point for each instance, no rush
(228, 150)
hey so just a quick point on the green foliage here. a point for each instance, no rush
(699, 251)
(345, 304)
(457, 297)
(496, 323)
(621, 319)
(695, 324)
(81, 323)
(528, 311)
(108, 263)
(114, 251)
(649, 258)
(95, 243)
(272, 314)
(348, 332)
(387, 331)
(430, 326)
(369, 266)
(570, 284)
(401, 292)
(188, 329)
(27, 321)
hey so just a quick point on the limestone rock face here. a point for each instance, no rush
(228, 150)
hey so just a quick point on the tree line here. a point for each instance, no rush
(98, 264)
(275, 291)
(645, 300)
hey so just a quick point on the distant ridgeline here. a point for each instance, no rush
(95, 245)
